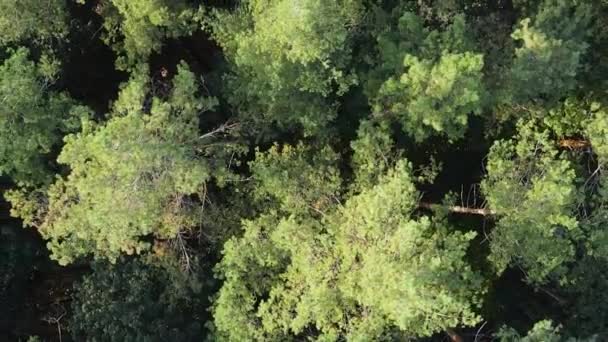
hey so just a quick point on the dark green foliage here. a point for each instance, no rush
(543, 331)
(138, 300)
(18, 258)
(551, 53)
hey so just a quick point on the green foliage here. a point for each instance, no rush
(430, 80)
(138, 300)
(293, 181)
(288, 59)
(33, 118)
(552, 51)
(571, 119)
(137, 28)
(588, 313)
(131, 178)
(597, 131)
(298, 178)
(373, 153)
(543, 331)
(531, 188)
(33, 20)
(363, 271)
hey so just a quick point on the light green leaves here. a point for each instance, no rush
(131, 178)
(429, 81)
(360, 271)
(435, 98)
(288, 59)
(299, 178)
(532, 190)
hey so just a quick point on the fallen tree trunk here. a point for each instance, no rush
(574, 144)
(459, 209)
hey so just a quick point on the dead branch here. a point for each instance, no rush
(223, 128)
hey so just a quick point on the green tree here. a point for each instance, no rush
(32, 21)
(373, 153)
(361, 271)
(33, 117)
(138, 300)
(296, 177)
(543, 331)
(131, 178)
(137, 28)
(532, 189)
(551, 56)
(288, 60)
(429, 80)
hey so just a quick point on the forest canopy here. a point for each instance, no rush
(303, 170)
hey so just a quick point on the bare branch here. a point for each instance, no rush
(223, 128)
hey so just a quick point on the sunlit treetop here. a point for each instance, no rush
(531, 187)
(131, 179)
(288, 58)
(365, 270)
(428, 80)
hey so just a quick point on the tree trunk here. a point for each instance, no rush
(454, 337)
(459, 209)
(574, 144)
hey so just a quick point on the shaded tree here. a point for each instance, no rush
(139, 300)
(33, 117)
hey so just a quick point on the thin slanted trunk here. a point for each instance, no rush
(459, 209)
(454, 337)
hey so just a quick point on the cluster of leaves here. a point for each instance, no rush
(430, 80)
(137, 28)
(533, 192)
(33, 118)
(33, 21)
